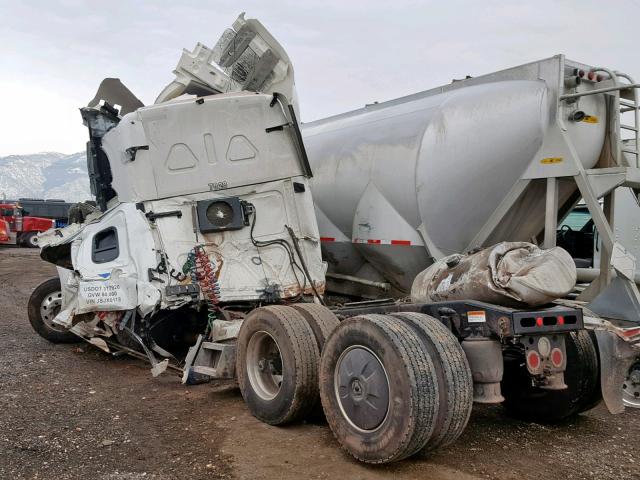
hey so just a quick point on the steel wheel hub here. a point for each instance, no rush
(631, 387)
(264, 365)
(49, 308)
(362, 388)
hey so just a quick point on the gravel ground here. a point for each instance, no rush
(73, 412)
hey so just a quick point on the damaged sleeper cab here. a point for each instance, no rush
(205, 214)
(204, 257)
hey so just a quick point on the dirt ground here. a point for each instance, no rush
(73, 412)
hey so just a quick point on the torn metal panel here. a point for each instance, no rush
(616, 358)
(246, 58)
(112, 91)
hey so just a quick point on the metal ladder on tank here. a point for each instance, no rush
(624, 106)
(601, 183)
(629, 101)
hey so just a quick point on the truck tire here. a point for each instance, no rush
(277, 365)
(44, 304)
(321, 320)
(455, 384)
(524, 401)
(595, 398)
(378, 388)
(29, 239)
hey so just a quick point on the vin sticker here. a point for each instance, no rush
(107, 295)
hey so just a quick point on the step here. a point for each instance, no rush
(215, 346)
(602, 180)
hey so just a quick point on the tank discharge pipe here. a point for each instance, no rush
(487, 368)
(590, 274)
(362, 281)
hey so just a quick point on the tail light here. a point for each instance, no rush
(533, 360)
(547, 321)
(557, 357)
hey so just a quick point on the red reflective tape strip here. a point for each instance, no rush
(371, 241)
(327, 239)
(630, 332)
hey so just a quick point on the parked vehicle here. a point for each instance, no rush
(4, 231)
(205, 256)
(22, 228)
(54, 209)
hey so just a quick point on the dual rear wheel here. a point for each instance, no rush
(394, 385)
(278, 352)
(390, 385)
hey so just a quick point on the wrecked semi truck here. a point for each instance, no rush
(205, 258)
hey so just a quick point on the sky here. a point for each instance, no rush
(345, 53)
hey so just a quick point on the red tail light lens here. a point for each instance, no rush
(560, 320)
(539, 321)
(557, 357)
(591, 76)
(533, 360)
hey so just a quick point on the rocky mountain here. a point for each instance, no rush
(45, 175)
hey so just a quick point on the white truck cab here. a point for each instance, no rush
(203, 201)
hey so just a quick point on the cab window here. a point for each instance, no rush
(105, 246)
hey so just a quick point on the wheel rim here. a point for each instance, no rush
(362, 388)
(631, 387)
(264, 365)
(33, 240)
(49, 308)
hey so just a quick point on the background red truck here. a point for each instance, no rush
(4, 231)
(22, 229)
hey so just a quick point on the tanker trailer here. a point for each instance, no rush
(401, 183)
(500, 157)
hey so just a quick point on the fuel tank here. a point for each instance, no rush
(401, 183)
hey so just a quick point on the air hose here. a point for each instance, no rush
(204, 272)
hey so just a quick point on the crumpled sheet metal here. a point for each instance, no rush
(514, 274)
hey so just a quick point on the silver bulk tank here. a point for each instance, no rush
(399, 183)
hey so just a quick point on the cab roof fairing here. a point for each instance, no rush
(245, 58)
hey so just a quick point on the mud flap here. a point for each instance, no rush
(616, 357)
